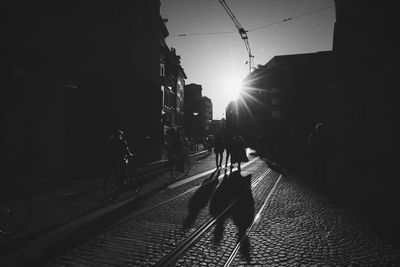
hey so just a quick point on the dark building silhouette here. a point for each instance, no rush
(72, 72)
(179, 76)
(284, 99)
(192, 98)
(198, 110)
(167, 83)
(193, 94)
(215, 126)
(366, 44)
(206, 109)
(172, 83)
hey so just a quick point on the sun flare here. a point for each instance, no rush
(232, 88)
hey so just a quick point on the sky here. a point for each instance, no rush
(214, 60)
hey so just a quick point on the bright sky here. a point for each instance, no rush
(212, 60)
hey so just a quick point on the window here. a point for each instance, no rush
(162, 69)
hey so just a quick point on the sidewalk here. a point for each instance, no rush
(366, 186)
(55, 205)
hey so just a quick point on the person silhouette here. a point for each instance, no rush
(238, 151)
(119, 152)
(219, 149)
(228, 140)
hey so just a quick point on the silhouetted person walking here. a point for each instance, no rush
(228, 139)
(219, 149)
(318, 153)
(238, 151)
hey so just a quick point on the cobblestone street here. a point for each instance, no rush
(219, 218)
(200, 133)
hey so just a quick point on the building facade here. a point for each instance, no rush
(367, 53)
(173, 83)
(283, 100)
(198, 111)
(206, 114)
(71, 82)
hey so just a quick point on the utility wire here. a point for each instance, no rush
(241, 30)
(257, 28)
(201, 33)
(291, 18)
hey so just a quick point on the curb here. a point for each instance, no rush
(69, 235)
(152, 166)
(73, 233)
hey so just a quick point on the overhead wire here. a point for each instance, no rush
(201, 33)
(291, 18)
(241, 30)
(259, 27)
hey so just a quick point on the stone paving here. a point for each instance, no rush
(302, 228)
(216, 245)
(57, 205)
(298, 227)
(143, 241)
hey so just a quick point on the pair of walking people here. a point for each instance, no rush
(235, 149)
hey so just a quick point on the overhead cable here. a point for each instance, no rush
(257, 28)
(291, 18)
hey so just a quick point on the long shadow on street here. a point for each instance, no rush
(200, 199)
(242, 212)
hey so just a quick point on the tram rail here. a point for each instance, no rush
(186, 244)
(185, 240)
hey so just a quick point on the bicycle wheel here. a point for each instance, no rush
(15, 211)
(111, 187)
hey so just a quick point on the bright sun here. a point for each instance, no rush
(232, 88)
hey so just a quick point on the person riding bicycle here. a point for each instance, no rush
(119, 153)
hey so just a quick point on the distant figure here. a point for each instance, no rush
(219, 149)
(228, 140)
(318, 153)
(238, 151)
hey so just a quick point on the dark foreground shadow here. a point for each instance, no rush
(242, 212)
(200, 199)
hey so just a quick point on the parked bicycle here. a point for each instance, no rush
(15, 208)
(179, 162)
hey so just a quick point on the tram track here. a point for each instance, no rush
(144, 225)
(180, 250)
(254, 223)
(179, 183)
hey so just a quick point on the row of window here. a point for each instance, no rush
(168, 97)
(162, 70)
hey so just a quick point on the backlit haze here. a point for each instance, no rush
(216, 60)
